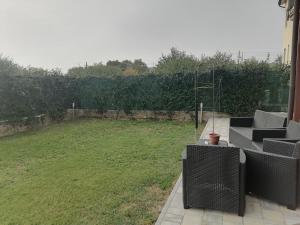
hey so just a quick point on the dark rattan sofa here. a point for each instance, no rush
(249, 132)
(284, 139)
(273, 172)
(214, 178)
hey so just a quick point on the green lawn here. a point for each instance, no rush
(90, 172)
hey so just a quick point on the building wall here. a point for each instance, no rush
(287, 42)
(287, 34)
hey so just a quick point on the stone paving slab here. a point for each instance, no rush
(258, 212)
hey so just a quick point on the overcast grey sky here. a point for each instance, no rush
(66, 33)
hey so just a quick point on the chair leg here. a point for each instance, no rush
(292, 207)
(184, 185)
(185, 206)
(241, 214)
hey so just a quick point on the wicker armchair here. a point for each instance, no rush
(214, 178)
(274, 173)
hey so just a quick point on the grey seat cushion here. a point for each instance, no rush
(293, 130)
(240, 136)
(258, 146)
(244, 131)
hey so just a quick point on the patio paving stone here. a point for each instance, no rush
(192, 217)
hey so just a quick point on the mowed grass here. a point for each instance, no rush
(90, 172)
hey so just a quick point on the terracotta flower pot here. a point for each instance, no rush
(214, 138)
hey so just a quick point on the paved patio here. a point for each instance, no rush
(258, 212)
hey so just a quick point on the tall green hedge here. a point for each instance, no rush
(22, 96)
(240, 93)
(243, 89)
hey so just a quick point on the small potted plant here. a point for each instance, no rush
(214, 137)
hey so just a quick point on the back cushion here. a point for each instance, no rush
(259, 119)
(274, 120)
(269, 120)
(293, 130)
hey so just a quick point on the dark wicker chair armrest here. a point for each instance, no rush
(241, 121)
(242, 183)
(184, 179)
(272, 176)
(242, 157)
(291, 140)
(279, 146)
(259, 134)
